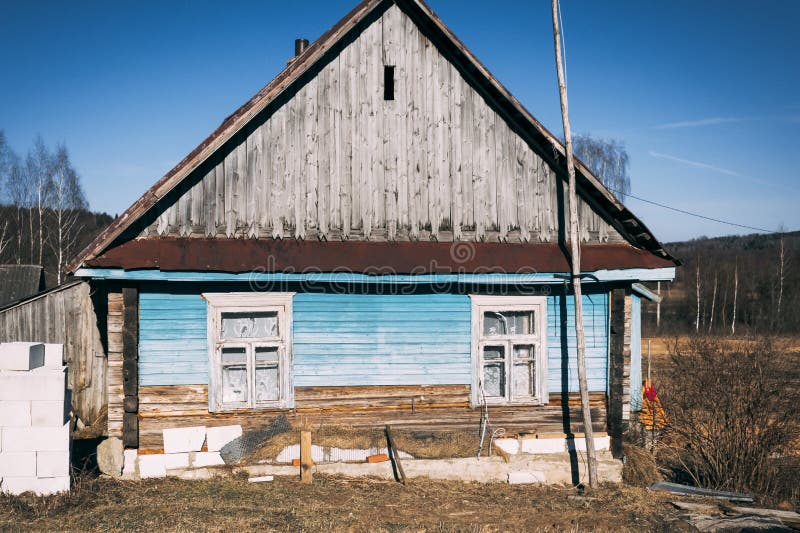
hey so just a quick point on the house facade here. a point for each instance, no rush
(376, 236)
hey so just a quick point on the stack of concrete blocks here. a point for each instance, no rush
(184, 448)
(34, 419)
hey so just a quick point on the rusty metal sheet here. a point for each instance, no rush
(270, 255)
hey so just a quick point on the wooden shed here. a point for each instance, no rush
(377, 236)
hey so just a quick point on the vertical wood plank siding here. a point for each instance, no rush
(359, 339)
(337, 161)
(66, 316)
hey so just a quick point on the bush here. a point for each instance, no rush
(732, 413)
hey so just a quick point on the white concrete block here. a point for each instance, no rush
(510, 446)
(537, 446)
(21, 355)
(15, 414)
(40, 486)
(47, 413)
(177, 440)
(218, 437)
(260, 479)
(579, 443)
(53, 355)
(176, 460)
(152, 466)
(525, 478)
(129, 463)
(207, 459)
(52, 464)
(39, 439)
(37, 385)
(17, 464)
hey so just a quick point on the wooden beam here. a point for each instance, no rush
(130, 366)
(306, 462)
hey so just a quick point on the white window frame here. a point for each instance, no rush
(248, 302)
(484, 303)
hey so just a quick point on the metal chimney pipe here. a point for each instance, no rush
(299, 46)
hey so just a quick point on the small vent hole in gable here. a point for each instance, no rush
(388, 82)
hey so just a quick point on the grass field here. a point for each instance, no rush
(336, 504)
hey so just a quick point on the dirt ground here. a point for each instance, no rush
(336, 504)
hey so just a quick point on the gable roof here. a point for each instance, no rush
(19, 281)
(547, 145)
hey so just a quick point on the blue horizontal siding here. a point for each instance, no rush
(561, 342)
(357, 339)
(173, 346)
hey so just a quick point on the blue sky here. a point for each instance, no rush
(703, 93)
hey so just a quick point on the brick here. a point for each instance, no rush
(152, 466)
(176, 460)
(52, 464)
(40, 486)
(510, 446)
(540, 446)
(17, 464)
(53, 355)
(129, 463)
(38, 439)
(579, 443)
(15, 414)
(47, 413)
(526, 478)
(37, 385)
(217, 437)
(379, 458)
(177, 440)
(207, 459)
(21, 355)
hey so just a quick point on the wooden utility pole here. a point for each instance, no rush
(575, 258)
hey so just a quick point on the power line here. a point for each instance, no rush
(683, 211)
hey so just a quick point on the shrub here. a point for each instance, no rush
(732, 412)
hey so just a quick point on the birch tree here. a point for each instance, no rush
(575, 256)
(40, 168)
(66, 202)
(608, 160)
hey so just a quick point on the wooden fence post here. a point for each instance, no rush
(305, 457)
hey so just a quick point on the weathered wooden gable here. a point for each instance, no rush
(338, 161)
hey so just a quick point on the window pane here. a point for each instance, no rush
(267, 389)
(494, 352)
(234, 384)
(234, 355)
(522, 380)
(266, 353)
(249, 325)
(508, 323)
(494, 379)
(524, 351)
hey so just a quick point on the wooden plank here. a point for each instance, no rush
(306, 463)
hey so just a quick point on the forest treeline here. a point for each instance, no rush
(44, 216)
(737, 285)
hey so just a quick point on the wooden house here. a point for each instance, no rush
(376, 236)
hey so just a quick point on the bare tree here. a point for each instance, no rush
(781, 276)
(17, 195)
(713, 304)
(66, 202)
(735, 293)
(697, 319)
(40, 173)
(575, 257)
(608, 160)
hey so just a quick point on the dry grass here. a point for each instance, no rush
(335, 504)
(640, 469)
(424, 445)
